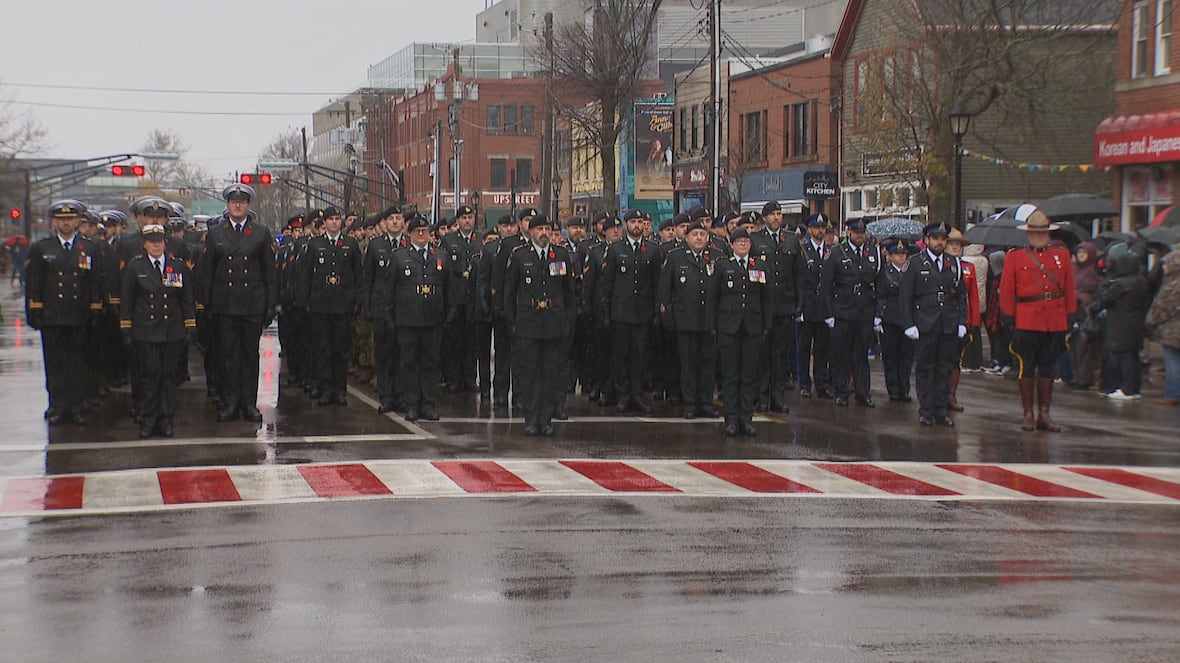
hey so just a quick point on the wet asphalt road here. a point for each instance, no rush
(604, 578)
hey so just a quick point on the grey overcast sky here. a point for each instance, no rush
(275, 46)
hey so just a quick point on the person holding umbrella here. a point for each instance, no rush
(1037, 293)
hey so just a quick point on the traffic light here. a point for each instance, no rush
(14, 214)
(119, 170)
(256, 178)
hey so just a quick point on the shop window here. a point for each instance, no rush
(870, 199)
(854, 201)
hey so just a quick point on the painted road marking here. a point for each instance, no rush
(151, 489)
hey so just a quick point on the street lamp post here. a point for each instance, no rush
(960, 122)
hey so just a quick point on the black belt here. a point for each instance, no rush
(1046, 297)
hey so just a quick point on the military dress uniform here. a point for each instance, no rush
(933, 304)
(417, 282)
(848, 301)
(595, 309)
(685, 294)
(62, 293)
(781, 251)
(630, 274)
(331, 275)
(540, 307)
(458, 349)
(897, 350)
(502, 380)
(1037, 291)
(378, 262)
(157, 313)
(238, 284)
(814, 337)
(742, 302)
(288, 318)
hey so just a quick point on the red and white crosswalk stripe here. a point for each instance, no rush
(138, 490)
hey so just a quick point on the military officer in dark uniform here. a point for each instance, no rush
(113, 358)
(580, 345)
(63, 291)
(157, 313)
(848, 303)
(378, 261)
(482, 317)
(501, 332)
(742, 302)
(933, 303)
(94, 346)
(331, 275)
(813, 334)
(897, 350)
(779, 248)
(458, 349)
(417, 284)
(628, 290)
(539, 302)
(602, 388)
(686, 281)
(238, 284)
(288, 316)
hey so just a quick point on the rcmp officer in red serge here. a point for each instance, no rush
(848, 303)
(628, 292)
(540, 306)
(742, 302)
(686, 284)
(933, 304)
(331, 274)
(63, 291)
(417, 285)
(238, 283)
(157, 313)
(1037, 289)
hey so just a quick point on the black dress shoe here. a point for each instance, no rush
(779, 406)
(906, 399)
(166, 428)
(146, 429)
(945, 421)
(595, 395)
(841, 401)
(805, 392)
(925, 421)
(731, 429)
(81, 419)
(622, 406)
(547, 431)
(824, 393)
(866, 402)
(385, 406)
(227, 414)
(606, 401)
(761, 406)
(748, 429)
(429, 413)
(531, 431)
(707, 411)
(339, 399)
(641, 405)
(894, 398)
(560, 414)
(690, 414)
(412, 414)
(252, 413)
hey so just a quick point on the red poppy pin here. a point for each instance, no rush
(552, 255)
(432, 251)
(339, 241)
(643, 248)
(246, 231)
(168, 269)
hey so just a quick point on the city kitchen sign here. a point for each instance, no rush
(819, 184)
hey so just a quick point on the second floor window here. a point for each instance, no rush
(1163, 37)
(499, 173)
(754, 137)
(801, 136)
(1140, 31)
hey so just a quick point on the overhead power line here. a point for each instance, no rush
(161, 111)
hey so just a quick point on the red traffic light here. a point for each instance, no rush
(14, 214)
(255, 178)
(127, 171)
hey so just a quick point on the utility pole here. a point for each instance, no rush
(435, 187)
(715, 75)
(548, 156)
(306, 184)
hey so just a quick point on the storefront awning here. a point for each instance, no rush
(1131, 139)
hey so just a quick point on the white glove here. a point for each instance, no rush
(800, 318)
(830, 322)
(962, 331)
(876, 322)
(911, 333)
(878, 328)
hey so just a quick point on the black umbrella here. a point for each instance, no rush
(1161, 235)
(1078, 206)
(1002, 232)
(1070, 233)
(1112, 236)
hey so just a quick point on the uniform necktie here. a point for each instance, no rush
(938, 261)
(238, 228)
(159, 266)
(66, 245)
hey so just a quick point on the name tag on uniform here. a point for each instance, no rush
(558, 268)
(757, 276)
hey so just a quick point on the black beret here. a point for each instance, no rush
(527, 212)
(505, 220)
(771, 207)
(681, 218)
(390, 211)
(698, 213)
(331, 211)
(464, 210)
(633, 214)
(666, 224)
(575, 222)
(695, 225)
(740, 233)
(416, 221)
(538, 220)
(612, 221)
(933, 229)
(751, 217)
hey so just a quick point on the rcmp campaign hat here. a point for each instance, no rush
(527, 212)
(538, 220)
(855, 225)
(957, 236)
(817, 221)
(575, 222)
(633, 214)
(464, 210)
(152, 232)
(155, 207)
(740, 233)
(934, 229)
(1032, 218)
(331, 211)
(416, 221)
(897, 246)
(237, 190)
(771, 207)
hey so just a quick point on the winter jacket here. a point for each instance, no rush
(1163, 319)
(1125, 299)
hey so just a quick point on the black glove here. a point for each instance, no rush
(126, 338)
(1008, 321)
(35, 318)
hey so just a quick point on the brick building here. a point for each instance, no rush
(499, 120)
(1140, 142)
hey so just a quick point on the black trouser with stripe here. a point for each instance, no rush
(418, 368)
(937, 355)
(333, 333)
(156, 366)
(814, 338)
(897, 354)
(698, 360)
(385, 356)
(628, 363)
(850, 357)
(740, 356)
(237, 349)
(62, 350)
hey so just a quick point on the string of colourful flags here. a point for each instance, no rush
(1031, 167)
